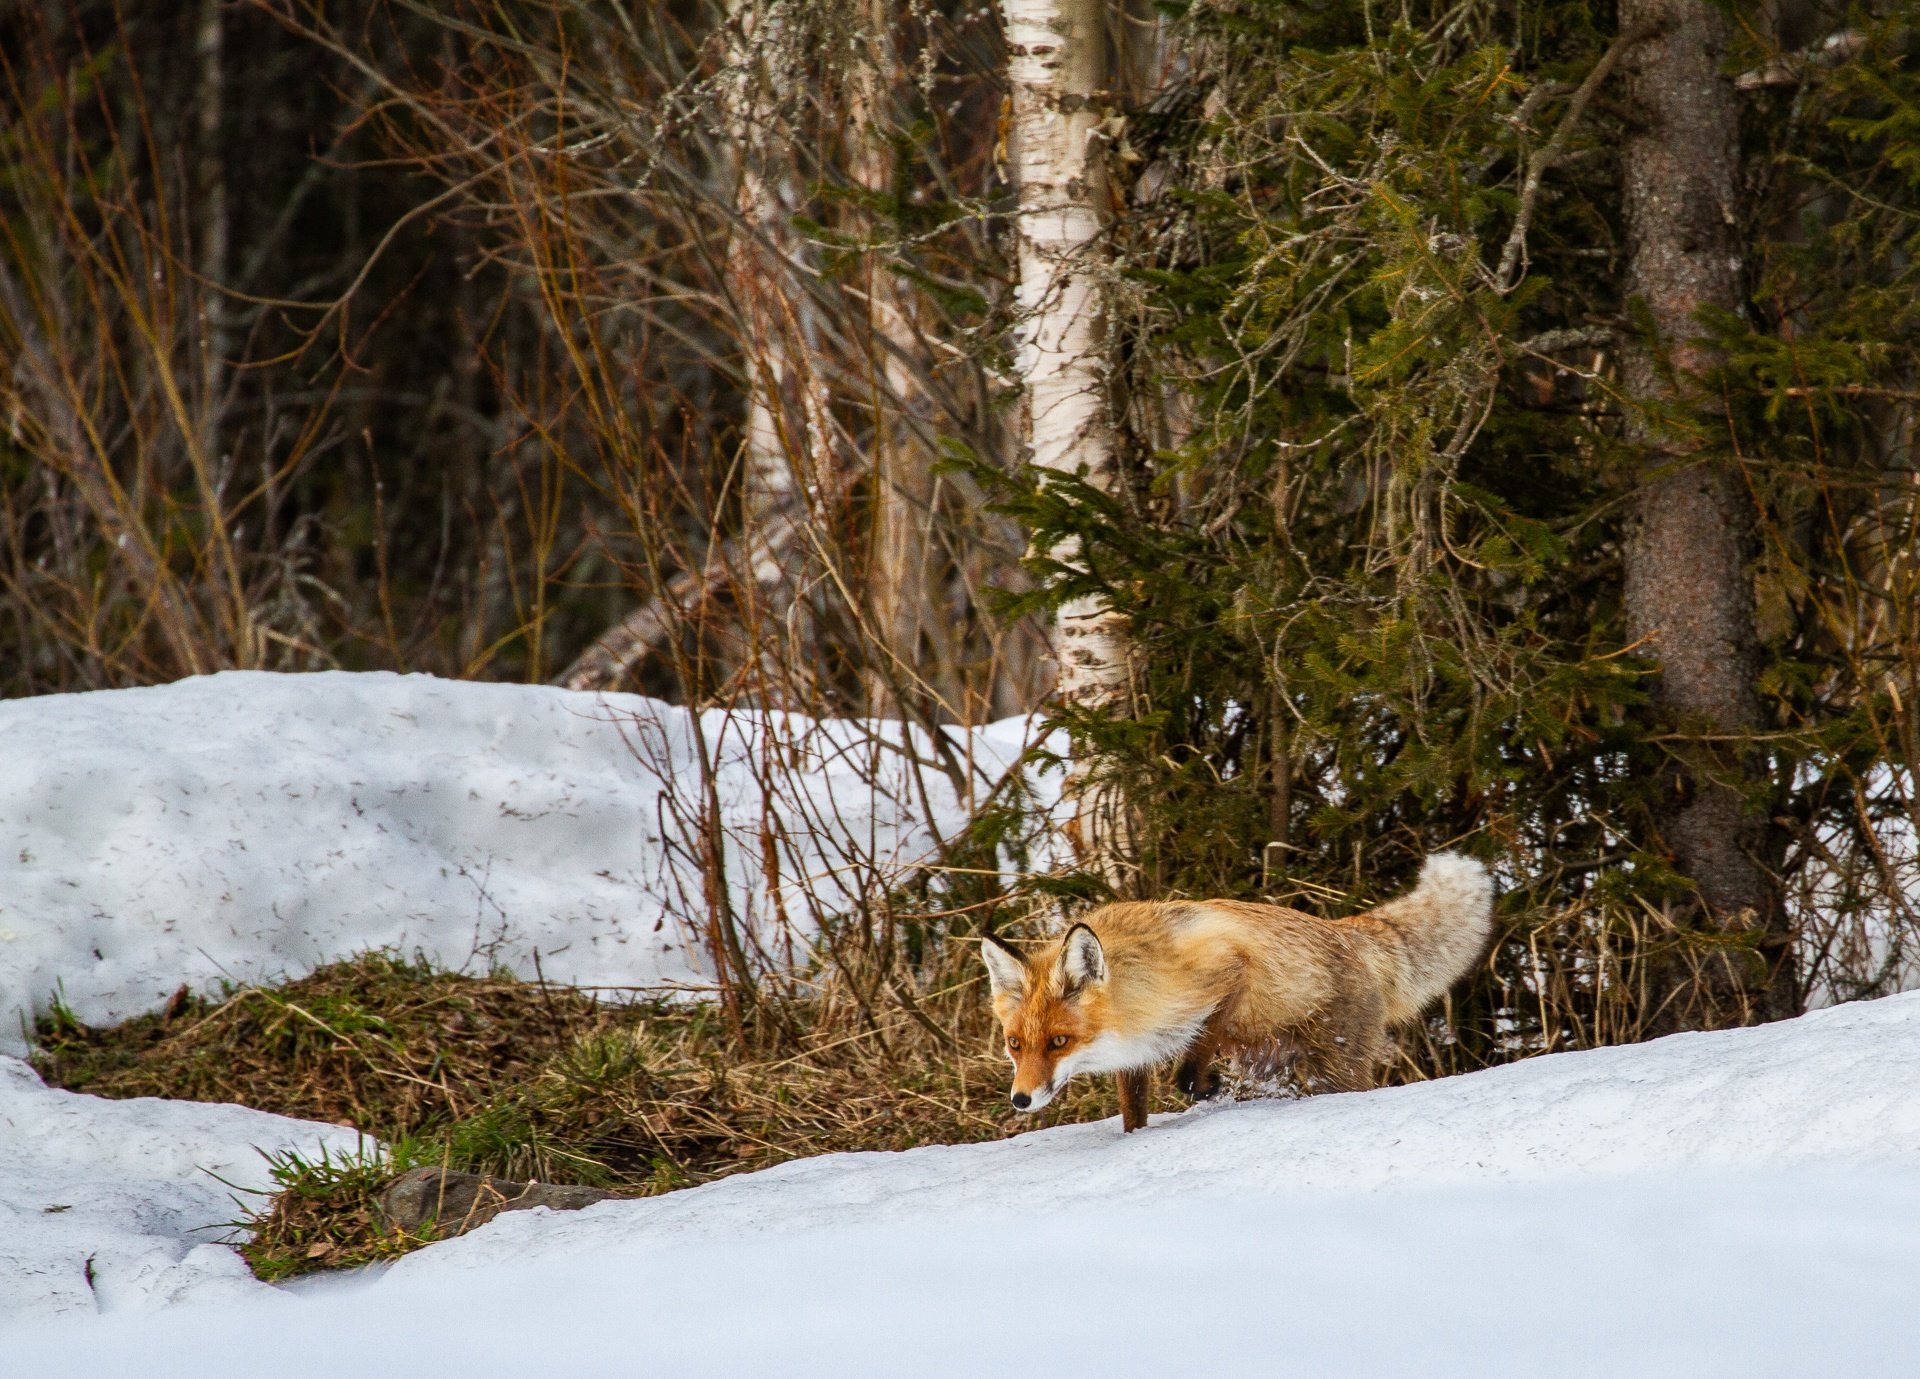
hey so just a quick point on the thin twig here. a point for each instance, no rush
(1541, 163)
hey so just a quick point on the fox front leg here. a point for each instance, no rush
(1133, 1099)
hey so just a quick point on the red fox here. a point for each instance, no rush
(1136, 985)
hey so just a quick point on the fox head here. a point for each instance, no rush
(1053, 1008)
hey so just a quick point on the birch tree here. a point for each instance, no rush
(1056, 71)
(778, 435)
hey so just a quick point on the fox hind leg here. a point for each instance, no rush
(1196, 1077)
(1343, 1055)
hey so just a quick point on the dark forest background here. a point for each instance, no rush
(1510, 409)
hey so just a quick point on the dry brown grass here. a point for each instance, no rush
(383, 1044)
(530, 1080)
(527, 1080)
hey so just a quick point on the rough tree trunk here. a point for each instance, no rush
(213, 224)
(904, 575)
(1687, 587)
(1056, 68)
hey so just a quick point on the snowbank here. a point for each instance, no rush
(249, 826)
(1675, 1278)
(120, 1205)
(1837, 1089)
(1740, 1203)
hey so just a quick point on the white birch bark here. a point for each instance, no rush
(1055, 68)
(782, 436)
(768, 479)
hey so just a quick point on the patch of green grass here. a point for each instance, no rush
(324, 1214)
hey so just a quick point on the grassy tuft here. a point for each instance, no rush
(324, 1214)
(378, 1042)
(531, 1081)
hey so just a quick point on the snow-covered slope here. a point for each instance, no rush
(1741, 1203)
(120, 1205)
(249, 825)
(1670, 1279)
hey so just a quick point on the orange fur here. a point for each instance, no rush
(1137, 985)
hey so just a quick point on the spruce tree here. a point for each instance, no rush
(1546, 488)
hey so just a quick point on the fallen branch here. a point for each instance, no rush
(633, 641)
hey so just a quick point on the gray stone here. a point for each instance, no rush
(454, 1203)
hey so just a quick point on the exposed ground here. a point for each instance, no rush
(1740, 1203)
(532, 1080)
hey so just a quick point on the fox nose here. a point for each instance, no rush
(1021, 1101)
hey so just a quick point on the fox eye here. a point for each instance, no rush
(1013, 1043)
(1059, 1041)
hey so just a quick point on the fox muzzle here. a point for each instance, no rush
(1034, 1100)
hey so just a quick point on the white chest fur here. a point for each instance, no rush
(1114, 1052)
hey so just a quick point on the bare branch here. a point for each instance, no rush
(1504, 279)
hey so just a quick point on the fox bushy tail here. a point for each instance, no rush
(1443, 924)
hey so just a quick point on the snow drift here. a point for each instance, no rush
(1591, 1280)
(250, 826)
(121, 1205)
(1737, 1203)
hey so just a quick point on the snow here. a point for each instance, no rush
(1737, 1203)
(248, 826)
(1676, 1277)
(120, 1205)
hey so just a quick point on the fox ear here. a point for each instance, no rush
(1082, 960)
(1006, 969)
